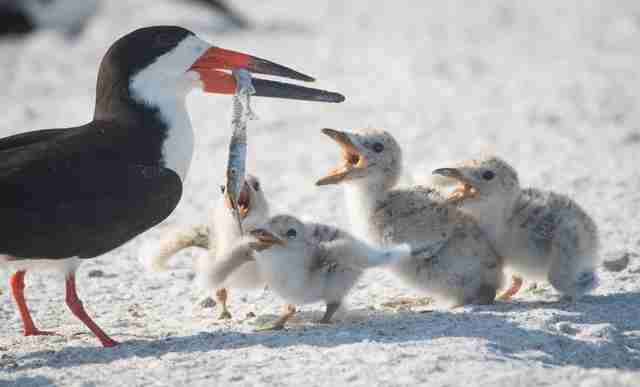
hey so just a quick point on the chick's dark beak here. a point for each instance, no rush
(449, 172)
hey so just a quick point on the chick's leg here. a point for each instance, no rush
(221, 297)
(289, 311)
(332, 307)
(516, 284)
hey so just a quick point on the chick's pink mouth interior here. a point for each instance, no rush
(244, 201)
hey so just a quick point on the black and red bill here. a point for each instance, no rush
(208, 66)
(273, 89)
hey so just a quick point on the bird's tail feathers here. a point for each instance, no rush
(155, 255)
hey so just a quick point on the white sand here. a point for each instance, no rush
(553, 89)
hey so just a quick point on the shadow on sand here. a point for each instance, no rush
(31, 381)
(507, 339)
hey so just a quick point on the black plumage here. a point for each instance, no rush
(85, 190)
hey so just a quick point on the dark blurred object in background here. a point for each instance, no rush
(68, 17)
(14, 21)
(221, 6)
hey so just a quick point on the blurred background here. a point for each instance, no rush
(552, 86)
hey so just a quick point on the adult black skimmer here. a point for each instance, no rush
(75, 193)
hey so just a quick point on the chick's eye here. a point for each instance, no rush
(488, 175)
(291, 233)
(378, 147)
(256, 186)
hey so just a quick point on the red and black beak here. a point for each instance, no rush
(208, 66)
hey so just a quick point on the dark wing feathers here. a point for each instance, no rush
(69, 197)
(127, 200)
(28, 138)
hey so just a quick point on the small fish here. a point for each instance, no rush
(240, 113)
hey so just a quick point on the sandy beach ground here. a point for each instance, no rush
(551, 86)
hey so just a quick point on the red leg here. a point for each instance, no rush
(75, 305)
(17, 289)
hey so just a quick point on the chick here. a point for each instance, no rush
(465, 270)
(218, 238)
(542, 235)
(305, 262)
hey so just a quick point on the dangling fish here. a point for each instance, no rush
(240, 113)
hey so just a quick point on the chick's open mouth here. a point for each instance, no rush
(244, 201)
(462, 187)
(461, 192)
(351, 158)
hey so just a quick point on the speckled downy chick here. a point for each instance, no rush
(218, 237)
(305, 262)
(465, 270)
(542, 235)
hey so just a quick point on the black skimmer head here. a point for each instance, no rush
(153, 62)
(369, 155)
(145, 76)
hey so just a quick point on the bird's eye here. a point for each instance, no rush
(488, 175)
(378, 147)
(256, 186)
(291, 233)
(222, 189)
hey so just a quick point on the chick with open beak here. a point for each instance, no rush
(217, 237)
(305, 262)
(464, 188)
(244, 200)
(542, 235)
(362, 157)
(466, 269)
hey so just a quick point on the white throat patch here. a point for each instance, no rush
(164, 85)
